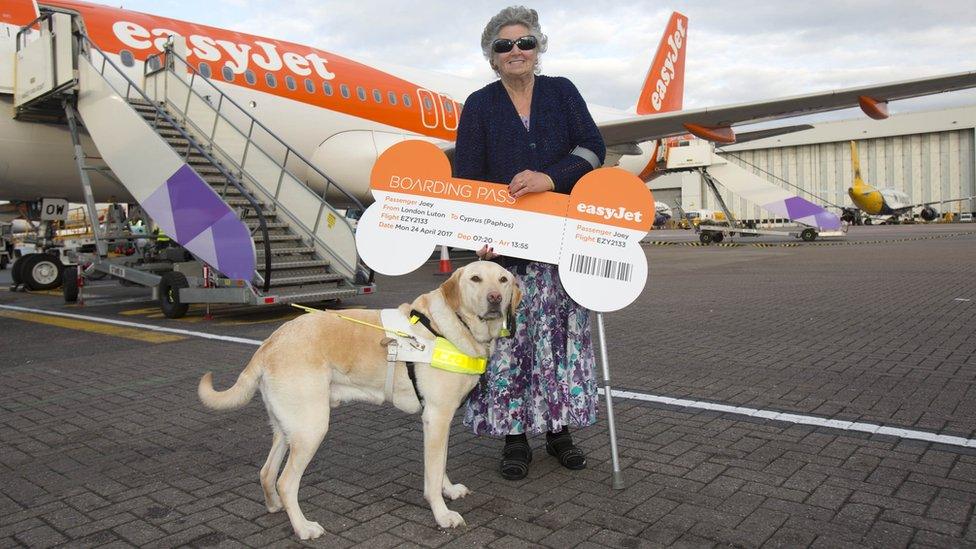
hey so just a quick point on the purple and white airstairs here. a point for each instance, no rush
(208, 174)
(808, 221)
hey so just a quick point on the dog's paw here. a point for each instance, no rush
(309, 530)
(455, 491)
(273, 507)
(449, 519)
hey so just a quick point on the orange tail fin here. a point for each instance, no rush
(665, 83)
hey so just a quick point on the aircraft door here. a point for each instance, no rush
(449, 108)
(428, 107)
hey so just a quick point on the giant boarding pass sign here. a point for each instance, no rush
(593, 234)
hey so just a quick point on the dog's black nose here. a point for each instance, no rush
(494, 298)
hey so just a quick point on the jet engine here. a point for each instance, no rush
(928, 213)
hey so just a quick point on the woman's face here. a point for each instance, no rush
(515, 63)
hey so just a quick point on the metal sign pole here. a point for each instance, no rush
(618, 481)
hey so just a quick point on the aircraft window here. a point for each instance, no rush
(290, 82)
(270, 79)
(205, 70)
(228, 73)
(377, 96)
(327, 88)
(448, 106)
(154, 63)
(309, 85)
(361, 93)
(127, 58)
(249, 76)
(392, 98)
(406, 101)
(344, 90)
(428, 104)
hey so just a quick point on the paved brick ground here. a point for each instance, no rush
(104, 443)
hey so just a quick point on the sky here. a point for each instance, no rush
(738, 50)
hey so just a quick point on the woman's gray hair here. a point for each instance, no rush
(513, 15)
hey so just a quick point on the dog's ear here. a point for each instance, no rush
(509, 328)
(516, 299)
(452, 290)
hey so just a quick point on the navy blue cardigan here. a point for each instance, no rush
(493, 145)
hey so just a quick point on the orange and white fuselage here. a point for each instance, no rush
(338, 113)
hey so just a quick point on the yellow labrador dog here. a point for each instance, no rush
(316, 361)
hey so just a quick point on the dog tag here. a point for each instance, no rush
(593, 234)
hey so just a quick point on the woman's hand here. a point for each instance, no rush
(529, 181)
(486, 253)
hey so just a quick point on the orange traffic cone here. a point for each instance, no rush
(445, 265)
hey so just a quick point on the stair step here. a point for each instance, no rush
(241, 201)
(283, 249)
(258, 237)
(278, 281)
(280, 265)
(310, 294)
(254, 225)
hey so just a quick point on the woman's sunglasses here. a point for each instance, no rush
(504, 45)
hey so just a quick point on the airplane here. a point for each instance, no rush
(334, 117)
(342, 114)
(884, 202)
(662, 214)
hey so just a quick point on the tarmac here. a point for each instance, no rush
(779, 395)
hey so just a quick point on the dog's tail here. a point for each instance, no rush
(235, 397)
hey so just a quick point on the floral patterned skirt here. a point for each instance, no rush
(543, 377)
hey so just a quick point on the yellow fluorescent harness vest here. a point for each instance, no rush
(448, 357)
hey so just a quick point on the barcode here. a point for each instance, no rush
(596, 266)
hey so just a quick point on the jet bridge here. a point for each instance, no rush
(808, 220)
(213, 178)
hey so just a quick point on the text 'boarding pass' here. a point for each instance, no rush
(593, 234)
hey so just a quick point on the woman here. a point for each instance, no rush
(534, 134)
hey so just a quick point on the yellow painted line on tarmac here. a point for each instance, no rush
(94, 327)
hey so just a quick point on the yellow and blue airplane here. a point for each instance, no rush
(874, 201)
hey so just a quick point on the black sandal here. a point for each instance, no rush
(560, 445)
(516, 456)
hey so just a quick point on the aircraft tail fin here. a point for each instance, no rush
(664, 84)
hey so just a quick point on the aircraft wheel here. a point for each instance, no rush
(69, 284)
(169, 295)
(808, 235)
(705, 237)
(42, 272)
(718, 237)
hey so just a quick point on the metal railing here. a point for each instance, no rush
(239, 130)
(87, 47)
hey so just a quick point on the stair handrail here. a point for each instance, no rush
(87, 46)
(168, 50)
(163, 62)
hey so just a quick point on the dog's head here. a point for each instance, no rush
(485, 292)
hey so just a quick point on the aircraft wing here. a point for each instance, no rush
(923, 204)
(655, 126)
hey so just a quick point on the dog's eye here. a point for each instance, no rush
(475, 278)
(503, 279)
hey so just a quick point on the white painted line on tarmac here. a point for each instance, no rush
(203, 335)
(800, 419)
(960, 299)
(629, 395)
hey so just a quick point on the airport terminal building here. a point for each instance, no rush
(929, 155)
